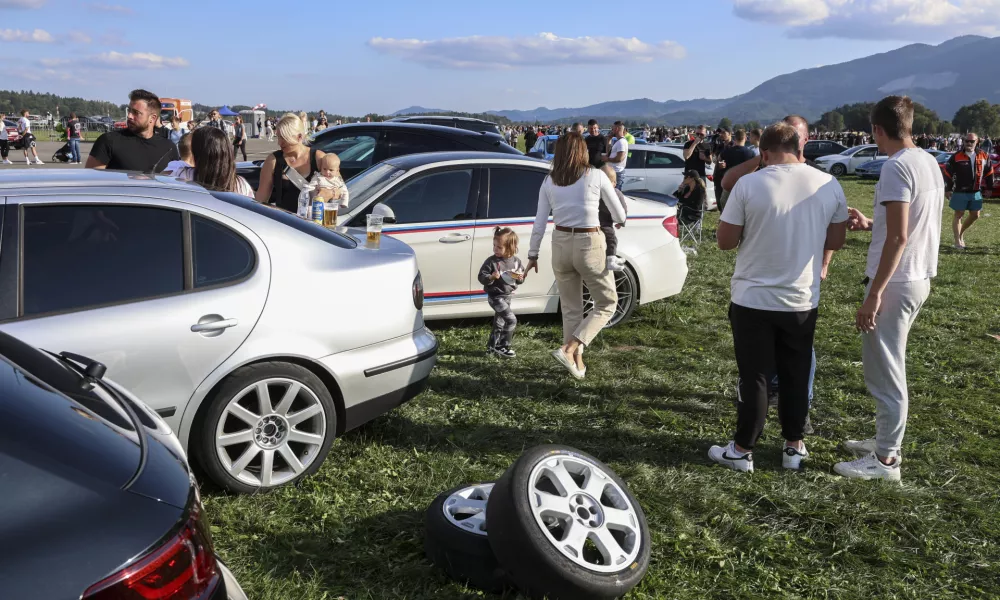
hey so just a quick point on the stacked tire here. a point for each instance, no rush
(558, 524)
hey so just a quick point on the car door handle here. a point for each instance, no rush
(455, 238)
(634, 179)
(214, 325)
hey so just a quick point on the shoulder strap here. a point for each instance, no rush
(279, 169)
(313, 167)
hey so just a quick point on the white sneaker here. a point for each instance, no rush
(792, 458)
(38, 161)
(7, 162)
(869, 467)
(728, 456)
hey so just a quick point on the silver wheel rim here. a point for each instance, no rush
(626, 295)
(270, 432)
(584, 514)
(466, 508)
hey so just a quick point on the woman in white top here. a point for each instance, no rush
(215, 162)
(572, 193)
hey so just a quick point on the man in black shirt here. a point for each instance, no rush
(732, 156)
(696, 154)
(597, 144)
(136, 148)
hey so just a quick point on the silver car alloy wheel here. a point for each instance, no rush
(584, 514)
(466, 508)
(626, 296)
(270, 432)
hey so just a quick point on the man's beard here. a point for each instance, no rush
(135, 127)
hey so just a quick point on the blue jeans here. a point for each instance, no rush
(74, 148)
(812, 377)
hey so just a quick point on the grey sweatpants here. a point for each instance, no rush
(504, 322)
(883, 353)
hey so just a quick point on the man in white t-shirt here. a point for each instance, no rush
(902, 259)
(27, 139)
(783, 218)
(618, 155)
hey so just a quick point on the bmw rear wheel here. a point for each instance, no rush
(627, 287)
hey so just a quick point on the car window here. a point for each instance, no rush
(662, 160)
(220, 254)
(78, 256)
(442, 196)
(514, 192)
(355, 151)
(636, 159)
(404, 142)
(550, 146)
(865, 153)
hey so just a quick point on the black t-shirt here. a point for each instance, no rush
(695, 162)
(732, 156)
(596, 146)
(126, 151)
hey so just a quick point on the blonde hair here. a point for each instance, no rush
(610, 172)
(305, 121)
(508, 240)
(289, 128)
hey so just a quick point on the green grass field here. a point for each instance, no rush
(659, 392)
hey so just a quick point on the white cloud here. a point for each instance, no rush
(79, 37)
(22, 3)
(117, 60)
(545, 49)
(111, 8)
(919, 20)
(39, 36)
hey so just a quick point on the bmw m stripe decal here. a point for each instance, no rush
(459, 225)
(446, 296)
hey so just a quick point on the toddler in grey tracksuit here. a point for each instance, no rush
(491, 275)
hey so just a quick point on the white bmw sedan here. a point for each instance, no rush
(445, 205)
(849, 160)
(660, 169)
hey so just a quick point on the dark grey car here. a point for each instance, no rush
(96, 498)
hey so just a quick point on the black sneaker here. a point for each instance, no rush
(505, 352)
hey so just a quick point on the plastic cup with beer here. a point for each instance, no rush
(330, 214)
(374, 229)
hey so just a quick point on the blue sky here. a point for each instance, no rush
(358, 57)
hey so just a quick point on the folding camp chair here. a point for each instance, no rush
(689, 221)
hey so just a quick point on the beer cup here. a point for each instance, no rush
(330, 215)
(374, 228)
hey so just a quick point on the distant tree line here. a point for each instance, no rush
(37, 103)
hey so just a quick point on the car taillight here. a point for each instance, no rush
(182, 567)
(670, 224)
(418, 292)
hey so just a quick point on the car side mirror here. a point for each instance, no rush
(536, 154)
(388, 217)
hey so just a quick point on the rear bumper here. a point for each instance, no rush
(377, 378)
(661, 272)
(231, 587)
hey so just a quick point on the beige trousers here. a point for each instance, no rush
(579, 258)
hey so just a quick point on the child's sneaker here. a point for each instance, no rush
(729, 456)
(792, 458)
(506, 352)
(615, 264)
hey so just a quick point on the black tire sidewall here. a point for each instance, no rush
(465, 556)
(838, 170)
(236, 382)
(526, 553)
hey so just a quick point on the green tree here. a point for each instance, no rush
(833, 121)
(982, 118)
(751, 125)
(725, 123)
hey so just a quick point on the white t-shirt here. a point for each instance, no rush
(785, 211)
(911, 175)
(23, 125)
(620, 145)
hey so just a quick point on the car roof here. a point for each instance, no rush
(400, 125)
(412, 161)
(404, 118)
(15, 179)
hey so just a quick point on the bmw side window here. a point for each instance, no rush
(636, 160)
(404, 143)
(514, 193)
(660, 160)
(440, 196)
(355, 152)
(78, 256)
(220, 254)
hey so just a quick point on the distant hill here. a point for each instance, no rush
(942, 78)
(418, 110)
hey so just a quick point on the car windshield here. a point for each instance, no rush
(849, 151)
(368, 183)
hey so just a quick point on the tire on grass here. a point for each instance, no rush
(564, 526)
(455, 537)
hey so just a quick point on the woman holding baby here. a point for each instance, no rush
(295, 165)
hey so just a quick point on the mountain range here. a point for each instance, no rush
(942, 77)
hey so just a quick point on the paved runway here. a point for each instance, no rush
(256, 149)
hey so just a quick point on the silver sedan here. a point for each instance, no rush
(257, 336)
